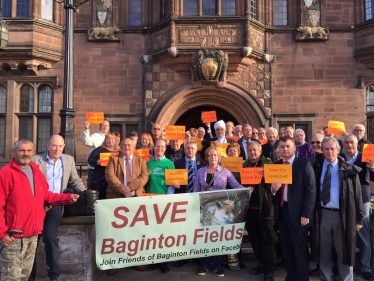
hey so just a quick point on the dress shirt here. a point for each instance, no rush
(124, 172)
(245, 143)
(194, 166)
(55, 172)
(351, 160)
(290, 162)
(335, 184)
(223, 140)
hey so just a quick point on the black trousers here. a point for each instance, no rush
(263, 239)
(294, 246)
(52, 221)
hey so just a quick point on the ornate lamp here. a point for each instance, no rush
(4, 32)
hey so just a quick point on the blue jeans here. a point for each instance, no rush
(363, 240)
(214, 260)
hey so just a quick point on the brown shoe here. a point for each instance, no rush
(140, 268)
(112, 272)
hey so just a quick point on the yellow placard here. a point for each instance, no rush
(368, 153)
(278, 172)
(234, 138)
(221, 147)
(144, 153)
(251, 175)
(176, 176)
(95, 117)
(104, 157)
(335, 127)
(209, 116)
(198, 142)
(233, 164)
(175, 132)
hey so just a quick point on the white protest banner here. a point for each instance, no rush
(154, 229)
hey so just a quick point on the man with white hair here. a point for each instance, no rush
(316, 146)
(220, 129)
(238, 131)
(359, 131)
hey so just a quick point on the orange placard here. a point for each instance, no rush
(221, 147)
(209, 116)
(95, 117)
(198, 142)
(263, 141)
(143, 153)
(336, 127)
(251, 175)
(104, 157)
(233, 164)
(175, 132)
(234, 138)
(176, 176)
(278, 172)
(368, 153)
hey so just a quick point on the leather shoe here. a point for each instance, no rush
(268, 276)
(151, 267)
(164, 267)
(257, 270)
(181, 263)
(112, 272)
(368, 276)
(140, 268)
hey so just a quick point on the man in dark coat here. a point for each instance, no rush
(340, 211)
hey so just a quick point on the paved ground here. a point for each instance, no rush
(189, 273)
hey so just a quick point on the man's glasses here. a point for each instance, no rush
(359, 131)
(315, 142)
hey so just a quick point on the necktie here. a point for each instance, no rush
(128, 171)
(190, 176)
(326, 186)
(282, 188)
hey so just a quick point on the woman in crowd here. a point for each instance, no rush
(269, 149)
(209, 178)
(110, 144)
(233, 150)
(303, 149)
(261, 134)
(146, 141)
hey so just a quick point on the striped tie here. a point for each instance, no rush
(326, 186)
(190, 176)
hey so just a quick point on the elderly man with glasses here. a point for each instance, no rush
(359, 132)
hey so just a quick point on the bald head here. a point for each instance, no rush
(55, 145)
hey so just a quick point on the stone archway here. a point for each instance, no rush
(244, 107)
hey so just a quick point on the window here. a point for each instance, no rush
(2, 99)
(253, 11)
(369, 9)
(35, 118)
(228, 7)
(280, 12)
(370, 111)
(23, 8)
(7, 8)
(190, 7)
(135, 13)
(209, 7)
(46, 9)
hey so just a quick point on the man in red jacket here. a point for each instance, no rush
(23, 191)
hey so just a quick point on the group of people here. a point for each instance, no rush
(329, 196)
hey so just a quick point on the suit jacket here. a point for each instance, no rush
(70, 177)
(365, 184)
(242, 148)
(114, 176)
(301, 195)
(206, 144)
(181, 164)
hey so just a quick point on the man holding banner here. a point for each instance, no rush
(359, 132)
(293, 210)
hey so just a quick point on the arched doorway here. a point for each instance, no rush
(192, 117)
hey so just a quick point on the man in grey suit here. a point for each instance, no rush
(60, 172)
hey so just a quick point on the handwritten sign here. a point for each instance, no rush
(335, 127)
(95, 117)
(251, 175)
(144, 153)
(234, 138)
(175, 132)
(278, 172)
(221, 147)
(176, 176)
(198, 142)
(368, 153)
(104, 157)
(233, 164)
(263, 141)
(209, 116)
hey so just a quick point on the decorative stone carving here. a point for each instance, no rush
(106, 33)
(312, 20)
(313, 32)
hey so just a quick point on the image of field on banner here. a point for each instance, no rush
(223, 207)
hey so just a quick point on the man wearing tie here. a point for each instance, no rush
(293, 210)
(245, 139)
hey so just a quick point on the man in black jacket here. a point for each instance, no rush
(359, 132)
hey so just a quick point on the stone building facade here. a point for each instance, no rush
(267, 63)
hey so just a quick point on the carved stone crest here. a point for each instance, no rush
(106, 33)
(209, 68)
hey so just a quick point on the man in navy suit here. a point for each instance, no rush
(353, 156)
(293, 210)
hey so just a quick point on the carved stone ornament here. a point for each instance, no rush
(312, 33)
(103, 33)
(209, 68)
